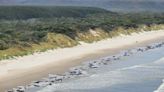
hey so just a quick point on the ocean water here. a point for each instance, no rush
(141, 72)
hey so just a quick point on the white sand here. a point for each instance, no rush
(58, 55)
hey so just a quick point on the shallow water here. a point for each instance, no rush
(142, 72)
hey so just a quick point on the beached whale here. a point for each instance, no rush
(18, 89)
(77, 71)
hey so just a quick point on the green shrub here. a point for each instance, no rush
(3, 45)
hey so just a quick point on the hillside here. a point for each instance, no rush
(114, 5)
(27, 12)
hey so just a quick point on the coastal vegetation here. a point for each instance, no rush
(28, 29)
(27, 12)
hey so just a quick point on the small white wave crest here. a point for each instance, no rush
(160, 88)
(160, 61)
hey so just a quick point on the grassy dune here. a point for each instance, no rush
(54, 41)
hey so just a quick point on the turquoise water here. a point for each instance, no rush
(141, 72)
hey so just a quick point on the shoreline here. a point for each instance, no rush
(13, 75)
(94, 74)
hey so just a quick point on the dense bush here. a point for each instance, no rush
(26, 12)
(3, 45)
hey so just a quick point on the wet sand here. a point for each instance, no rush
(24, 76)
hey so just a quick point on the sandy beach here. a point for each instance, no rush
(23, 70)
